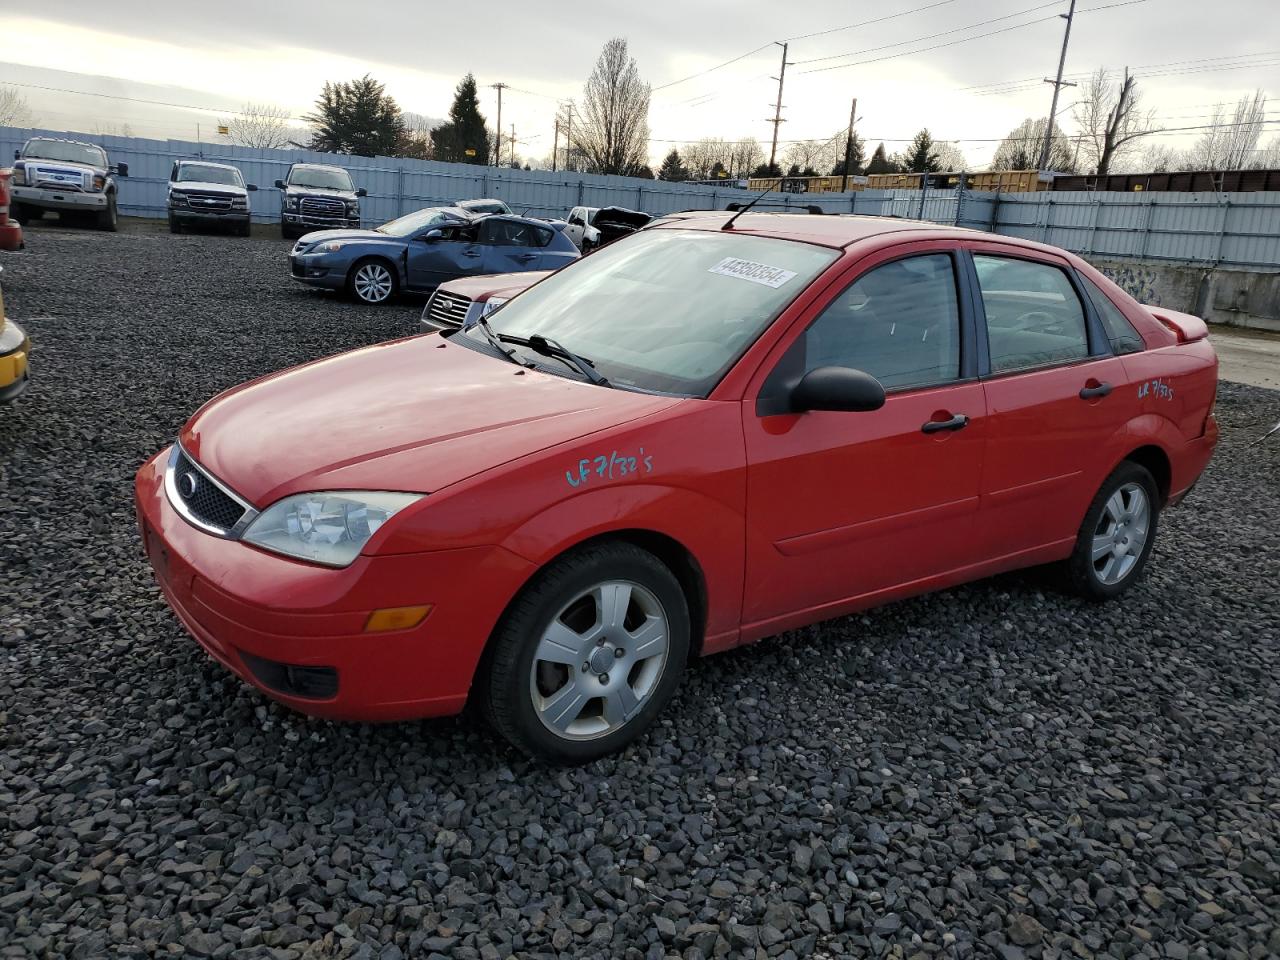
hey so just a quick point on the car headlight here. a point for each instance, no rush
(177, 196)
(328, 528)
(291, 203)
(11, 336)
(98, 183)
(331, 246)
(19, 176)
(353, 208)
(490, 305)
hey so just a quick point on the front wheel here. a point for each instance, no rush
(109, 218)
(373, 281)
(175, 225)
(588, 655)
(1116, 537)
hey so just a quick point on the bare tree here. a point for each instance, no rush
(703, 156)
(101, 129)
(949, 157)
(613, 132)
(1163, 158)
(744, 156)
(14, 109)
(1020, 149)
(1268, 157)
(1232, 138)
(819, 155)
(1111, 119)
(259, 125)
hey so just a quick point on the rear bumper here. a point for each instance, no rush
(1195, 457)
(49, 198)
(284, 626)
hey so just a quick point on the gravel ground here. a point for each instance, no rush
(996, 771)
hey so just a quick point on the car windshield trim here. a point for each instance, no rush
(669, 311)
(322, 178)
(209, 173)
(88, 154)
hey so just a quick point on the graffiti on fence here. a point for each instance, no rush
(1134, 279)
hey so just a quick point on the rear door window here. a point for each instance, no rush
(1124, 338)
(1034, 317)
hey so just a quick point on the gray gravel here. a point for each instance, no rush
(996, 771)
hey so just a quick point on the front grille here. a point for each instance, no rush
(203, 499)
(209, 201)
(57, 178)
(322, 207)
(449, 309)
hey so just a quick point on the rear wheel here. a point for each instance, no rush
(373, 281)
(109, 218)
(24, 214)
(243, 229)
(1118, 532)
(175, 225)
(588, 655)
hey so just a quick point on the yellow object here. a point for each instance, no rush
(396, 618)
(14, 350)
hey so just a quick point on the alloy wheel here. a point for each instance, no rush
(1121, 534)
(599, 660)
(373, 283)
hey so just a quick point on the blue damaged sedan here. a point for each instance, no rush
(420, 251)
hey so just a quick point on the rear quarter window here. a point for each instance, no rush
(1124, 338)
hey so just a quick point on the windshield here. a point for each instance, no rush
(411, 223)
(666, 310)
(208, 173)
(68, 152)
(324, 177)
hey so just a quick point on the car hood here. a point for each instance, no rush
(320, 236)
(210, 187)
(321, 191)
(494, 285)
(62, 165)
(414, 415)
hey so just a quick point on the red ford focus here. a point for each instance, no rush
(702, 435)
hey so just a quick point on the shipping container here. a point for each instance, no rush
(1195, 181)
(806, 184)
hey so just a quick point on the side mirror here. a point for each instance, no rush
(122, 169)
(251, 187)
(17, 154)
(837, 388)
(279, 184)
(431, 236)
(362, 192)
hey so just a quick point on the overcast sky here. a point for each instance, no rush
(222, 54)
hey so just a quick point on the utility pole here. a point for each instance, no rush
(848, 147)
(513, 144)
(568, 136)
(555, 144)
(497, 147)
(777, 107)
(1057, 86)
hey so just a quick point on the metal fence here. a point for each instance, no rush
(1235, 230)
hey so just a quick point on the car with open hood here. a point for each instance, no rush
(719, 428)
(317, 196)
(202, 193)
(68, 177)
(421, 250)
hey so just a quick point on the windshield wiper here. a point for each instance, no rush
(551, 348)
(494, 342)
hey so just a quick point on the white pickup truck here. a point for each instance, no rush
(66, 176)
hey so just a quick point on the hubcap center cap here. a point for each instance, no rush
(601, 659)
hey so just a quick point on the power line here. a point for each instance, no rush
(867, 23)
(932, 36)
(703, 73)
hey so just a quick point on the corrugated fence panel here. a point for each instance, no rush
(1235, 229)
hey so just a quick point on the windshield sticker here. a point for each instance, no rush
(608, 467)
(755, 272)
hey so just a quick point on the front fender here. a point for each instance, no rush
(711, 532)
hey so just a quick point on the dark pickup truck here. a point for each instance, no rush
(314, 196)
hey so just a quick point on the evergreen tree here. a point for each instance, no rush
(673, 168)
(921, 155)
(857, 160)
(464, 130)
(356, 118)
(718, 172)
(767, 170)
(880, 162)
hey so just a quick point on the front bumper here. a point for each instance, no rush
(209, 216)
(247, 607)
(50, 198)
(14, 371)
(316, 272)
(321, 223)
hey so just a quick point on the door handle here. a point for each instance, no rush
(526, 257)
(471, 253)
(1097, 390)
(958, 422)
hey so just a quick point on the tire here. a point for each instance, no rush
(373, 281)
(287, 232)
(526, 680)
(109, 219)
(243, 230)
(1116, 537)
(175, 225)
(24, 214)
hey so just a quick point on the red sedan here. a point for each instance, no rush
(712, 431)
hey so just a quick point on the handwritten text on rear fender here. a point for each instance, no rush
(608, 467)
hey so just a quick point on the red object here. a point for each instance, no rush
(790, 518)
(10, 230)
